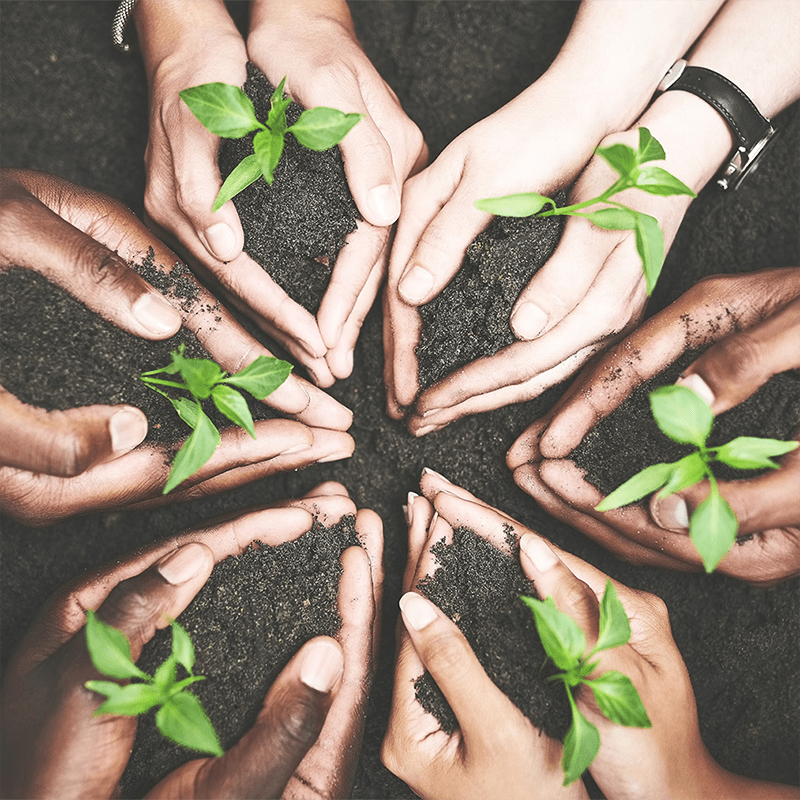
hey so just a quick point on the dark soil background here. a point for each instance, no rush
(74, 107)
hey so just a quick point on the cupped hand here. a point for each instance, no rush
(56, 464)
(754, 320)
(316, 49)
(53, 746)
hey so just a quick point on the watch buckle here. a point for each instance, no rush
(741, 162)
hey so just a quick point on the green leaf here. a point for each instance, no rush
(650, 247)
(108, 688)
(262, 377)
(635, 488)
(276, 119)
(183, 720)
(615, 628)
(223, 109)
(110, 650)
(247, 171)
(268, 146)
(232, 405)
(750, 452)
(196, 450)
(187, 409)
(561, 637)
(321, 128)
(619, 701)
(581, 745)
(655, 180)
(713, 529)
(182, 647)
(131, 700)
(514, 205)
(682, 414)
(164, 677)
(619, 157)
(200, 375)
(649, 148)
(687, 472)
(613, 219)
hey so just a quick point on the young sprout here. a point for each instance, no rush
(227, 111)
(202, 378)
(635, 171)
(180, 715)
(616, 696)
(686, 418)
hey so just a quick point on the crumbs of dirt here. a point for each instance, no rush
(56, 353)
(478, 587)
(296, 227)
(628, 439)
(177, 283)
(249, 619)
(469, 319)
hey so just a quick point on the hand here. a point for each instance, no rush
(667, 760)
(317, 50)
(61, 463)
(53, 746)
(715, 308)
(495, 751)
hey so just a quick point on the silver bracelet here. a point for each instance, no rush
(118, 25)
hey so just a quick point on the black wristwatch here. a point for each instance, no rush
(752, 132)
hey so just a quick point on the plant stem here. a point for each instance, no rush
(165, 383)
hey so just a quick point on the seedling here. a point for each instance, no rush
(686, 418)
(616, 696)
(634, 171)
(227, 111)
(203, 378)
(180, 715)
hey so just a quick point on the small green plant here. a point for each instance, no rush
(616, 696)
(180, 715)
(203, 378)
(634, 171)
(686, 418)
(226, 111)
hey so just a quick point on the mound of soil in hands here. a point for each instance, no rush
(469, 319)
(253, 614)
(478, 587)
(296, 227)
(57, 354)
(628, 439)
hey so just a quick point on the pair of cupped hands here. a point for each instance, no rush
(305, 741)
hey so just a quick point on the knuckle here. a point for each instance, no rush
(193, 197)
(299, 725)
(71, 455)
(446, 653)
(577, 599)
(101, 266)
(133, 609)
(740, 357)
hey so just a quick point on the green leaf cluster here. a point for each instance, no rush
(180, 715)
(635, 171)
(227, 111)
(686, 418)
(202, 379)
(616, 697)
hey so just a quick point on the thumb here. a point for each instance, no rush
(65, 443)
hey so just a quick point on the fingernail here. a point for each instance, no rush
(220, 240)
(298, 448)
(538, 552)
(425, 430)
(156, 314)
(670, 513)
(385, 203)
(417, 611)
(310, 349)
(430, 412)
(337, 456)
(698, 386)
(127, 427)
(183, 564)
(416, 284)
(322, 665)
(528, 321)
(428, 471)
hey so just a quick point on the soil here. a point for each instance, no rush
(250, 618)
(295, 227)
(628, 439)
(56, 353)
(469, 319)
(451, 64)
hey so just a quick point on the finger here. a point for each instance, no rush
(37, 238)
(370, 533)
(66, 443)
(733, 369)
(393, 409)
(288, 725)
(419, 514)
(405, 331)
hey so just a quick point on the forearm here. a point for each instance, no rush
(273, 12)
